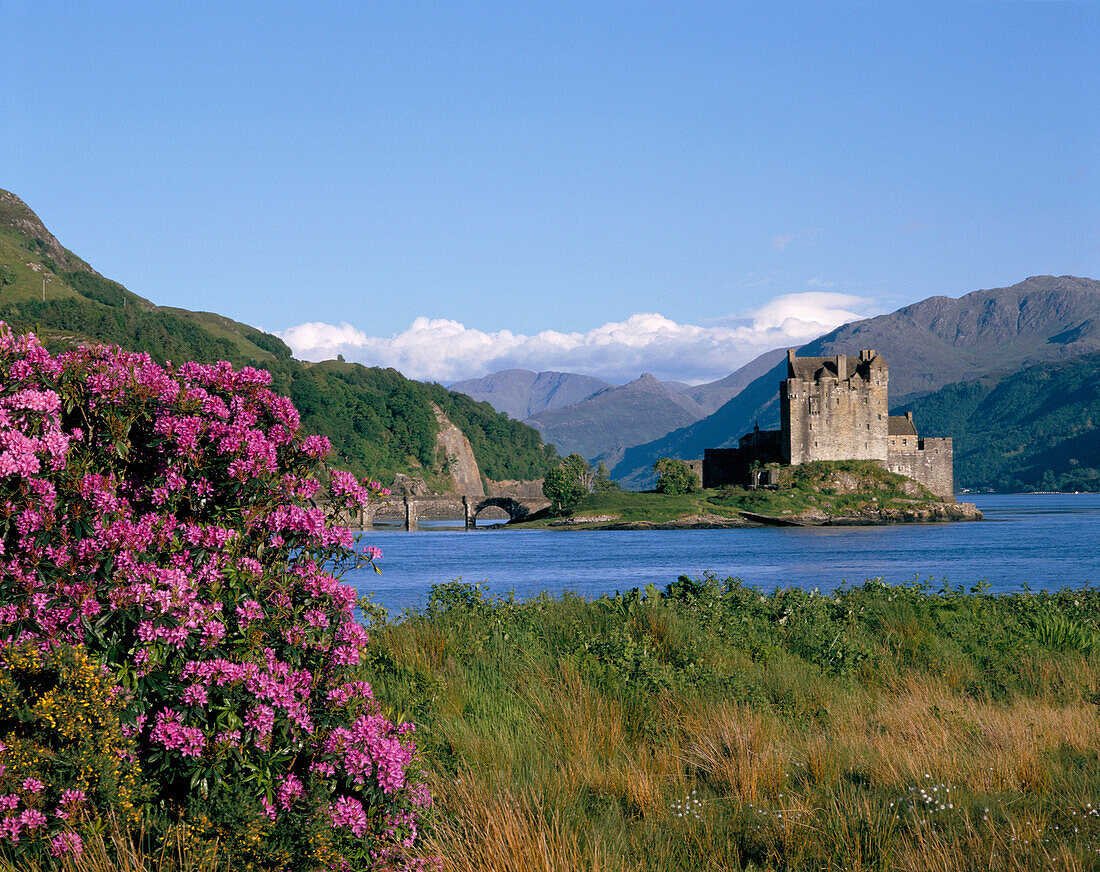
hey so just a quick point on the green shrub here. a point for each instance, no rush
(675, 477)
(65, 753)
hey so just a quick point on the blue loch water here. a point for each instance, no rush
(1046, 541)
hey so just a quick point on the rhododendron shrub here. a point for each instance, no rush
(165, 518)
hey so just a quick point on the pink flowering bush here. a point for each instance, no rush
(165, 519)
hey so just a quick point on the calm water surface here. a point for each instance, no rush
(1044, 540)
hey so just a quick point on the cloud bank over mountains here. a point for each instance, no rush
(446, 351)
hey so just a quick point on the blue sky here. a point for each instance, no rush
(452, 188)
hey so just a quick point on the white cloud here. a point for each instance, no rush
(446, 351)
(783, 240)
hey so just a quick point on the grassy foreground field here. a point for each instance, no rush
(712, 727)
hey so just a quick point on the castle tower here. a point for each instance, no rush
(834, 408)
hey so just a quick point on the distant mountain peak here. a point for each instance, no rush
(521, 393)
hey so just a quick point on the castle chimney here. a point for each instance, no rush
(909, 417)
(842, 366)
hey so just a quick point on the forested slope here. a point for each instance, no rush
(380, 422)
(1037, 429)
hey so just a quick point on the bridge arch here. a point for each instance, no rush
(515, 510)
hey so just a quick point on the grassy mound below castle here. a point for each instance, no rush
(823, 492)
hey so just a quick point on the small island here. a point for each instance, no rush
(819, 493)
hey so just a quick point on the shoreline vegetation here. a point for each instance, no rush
(823, 493)
(710, 726)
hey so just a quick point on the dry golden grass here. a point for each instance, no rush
(669, 735)
(116, 851)
(886, 740)
(968, 848)
(927, 729)
(507, 830)
(738, 750)
(581, 728)
(583, 734)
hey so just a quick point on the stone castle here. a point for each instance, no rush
(834, 408)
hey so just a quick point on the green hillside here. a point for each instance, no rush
(380, 422)
(1036, 429)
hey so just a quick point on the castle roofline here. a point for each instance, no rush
(840, 366)
(901, 425)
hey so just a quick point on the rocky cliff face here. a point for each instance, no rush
(462, 466)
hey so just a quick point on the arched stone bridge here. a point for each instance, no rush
(467, 508)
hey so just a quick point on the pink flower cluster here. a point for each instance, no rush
(347, 488)
(174, 508)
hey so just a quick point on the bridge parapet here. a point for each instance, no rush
(414, 508)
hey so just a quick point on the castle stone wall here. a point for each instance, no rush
(930, 461)
(724, 466)
(834, 411)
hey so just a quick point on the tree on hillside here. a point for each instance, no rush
(675, 477)
(603, 480)
(581, 471)
(569, 483)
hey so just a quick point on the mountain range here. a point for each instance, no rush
(521, 393)
(579, 413)
(1013, 374)
(616, 417)
(928, 345)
